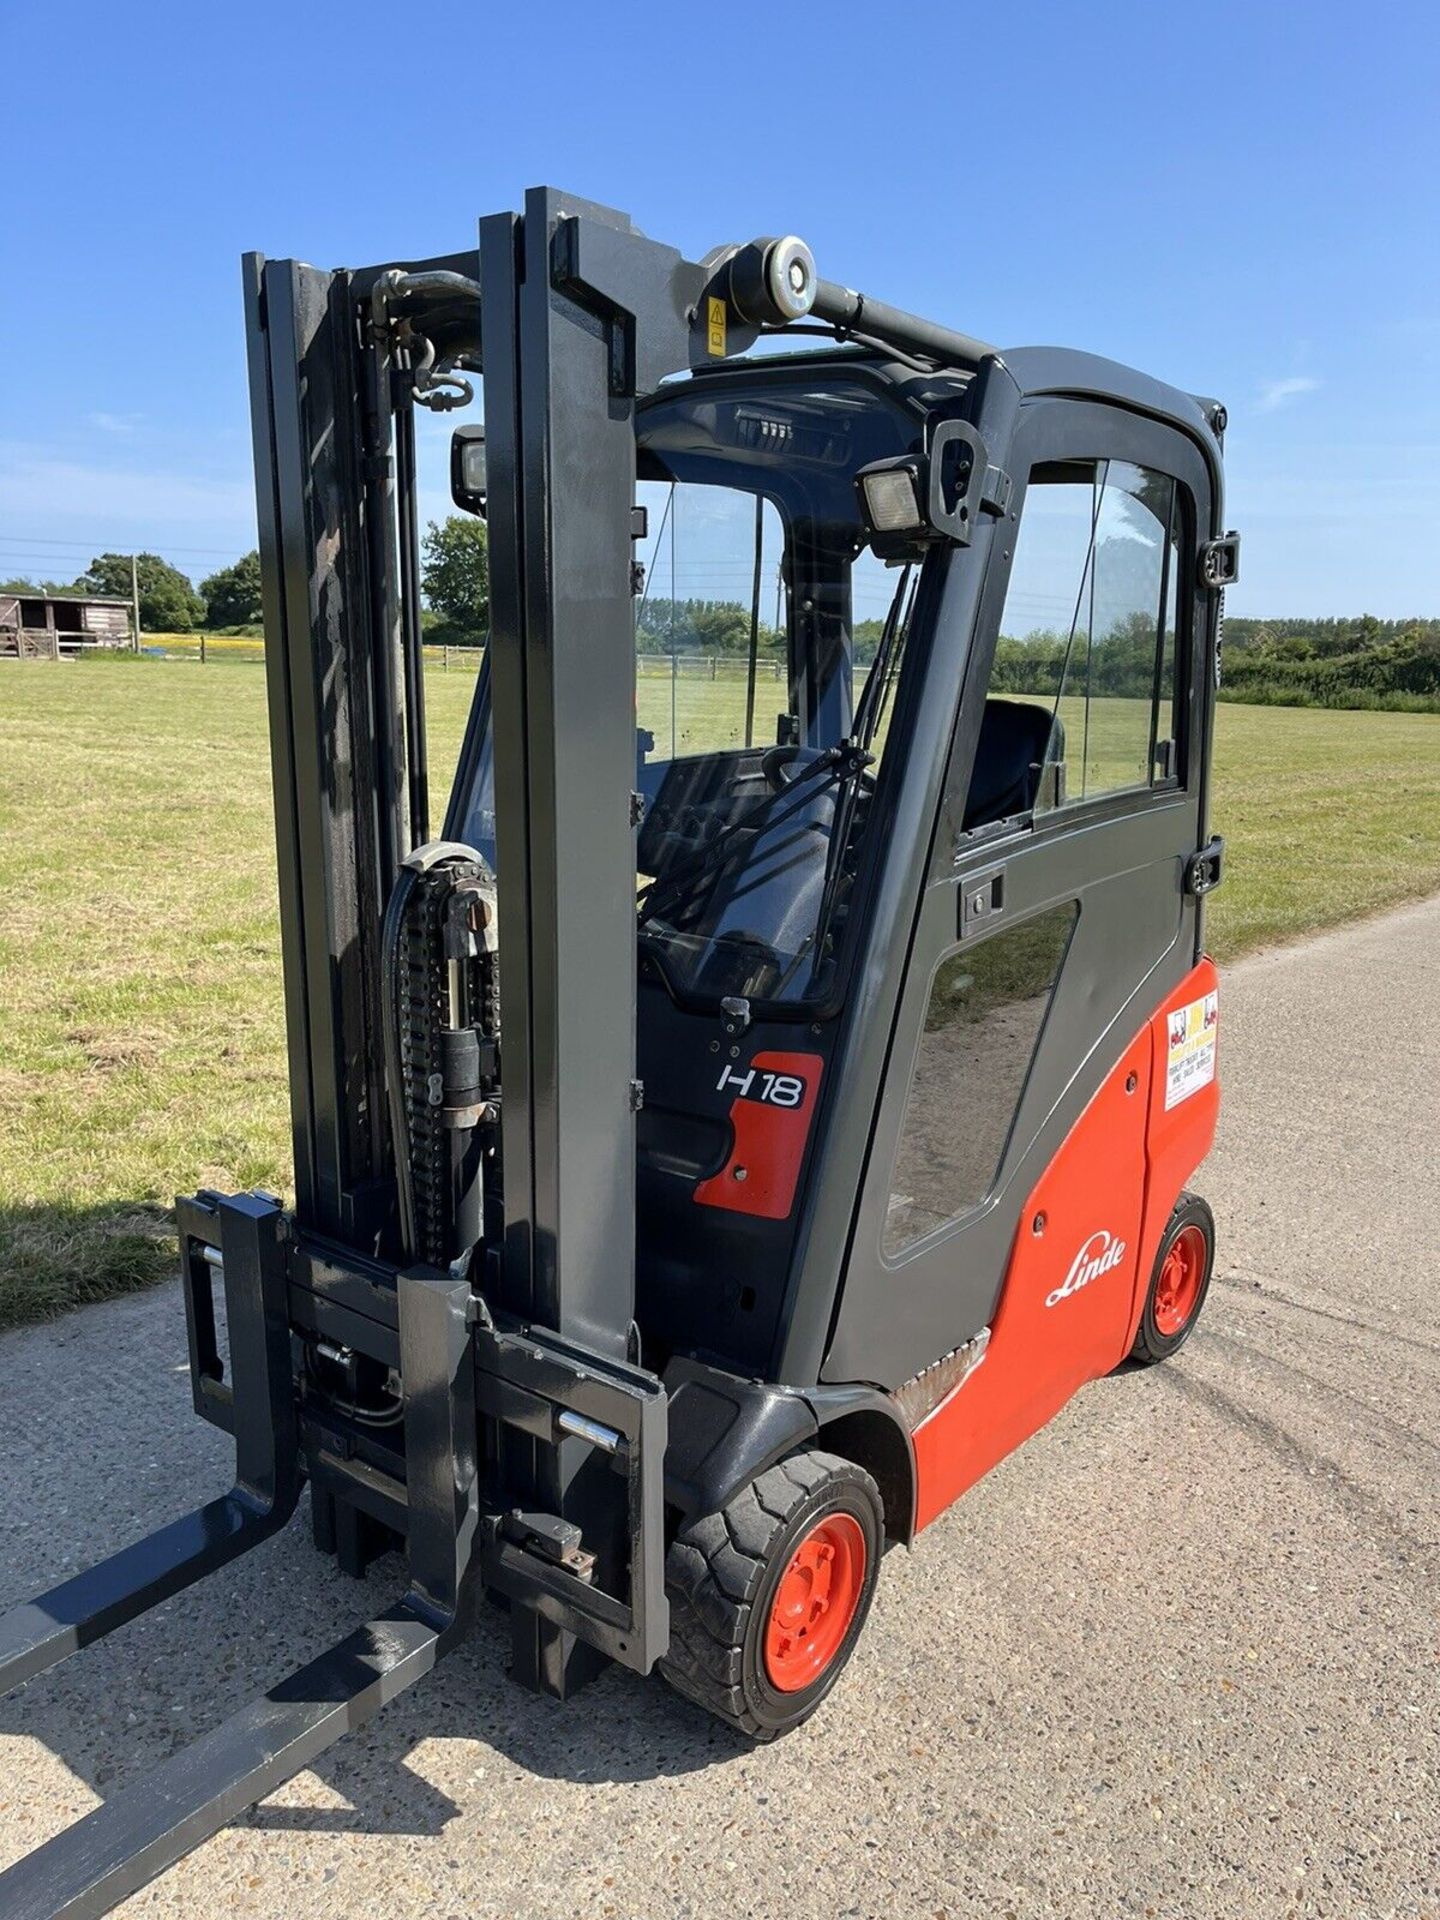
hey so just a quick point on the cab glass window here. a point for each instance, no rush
(714, 588)
(770, 648)
(1088, 630)
(983, 1022)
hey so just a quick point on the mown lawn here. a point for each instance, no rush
(141, 1038)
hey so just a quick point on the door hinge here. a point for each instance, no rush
(995, 494)
(1220, 562)
(1206, 869)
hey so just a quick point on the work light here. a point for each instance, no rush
(891, 493)
(467, 469)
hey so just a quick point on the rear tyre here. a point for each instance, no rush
(1179, 1283)
(768, 1596)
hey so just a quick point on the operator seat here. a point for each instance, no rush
(1015, 737)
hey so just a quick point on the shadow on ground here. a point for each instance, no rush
(117, 1709)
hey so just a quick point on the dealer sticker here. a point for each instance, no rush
(1190, 1060)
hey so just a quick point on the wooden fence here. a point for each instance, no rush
(202, 648)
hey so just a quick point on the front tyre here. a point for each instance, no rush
(1179, 1282)
(768, 1597)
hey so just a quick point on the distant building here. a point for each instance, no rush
(46, 625)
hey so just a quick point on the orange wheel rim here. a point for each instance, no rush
(1178, 1288)
(815, 1603)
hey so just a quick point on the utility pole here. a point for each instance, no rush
(135, 603)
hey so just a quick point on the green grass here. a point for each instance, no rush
(141, 1035)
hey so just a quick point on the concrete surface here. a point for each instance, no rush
(1177, 1657)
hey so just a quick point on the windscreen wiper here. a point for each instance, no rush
(868, 717)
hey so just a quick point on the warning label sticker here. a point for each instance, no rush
(1190, 1058)
(715, 327)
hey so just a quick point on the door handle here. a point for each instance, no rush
(982, 900)
(1206, 869)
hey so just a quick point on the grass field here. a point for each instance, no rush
(141, 1036)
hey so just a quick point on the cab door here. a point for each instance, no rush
(1055, 918)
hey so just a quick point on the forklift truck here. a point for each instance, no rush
(707, 1163)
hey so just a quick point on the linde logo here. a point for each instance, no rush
(1100, 1253)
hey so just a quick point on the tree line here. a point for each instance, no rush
(455, 580)
(170, 602)
(1339, 662)
(1120, 664)
(1293, 662)
(1365, 663)
(1333, 663)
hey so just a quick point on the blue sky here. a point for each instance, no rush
(1240, 199)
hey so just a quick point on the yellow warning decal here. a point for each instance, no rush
(1190, 1060)
(715, 331)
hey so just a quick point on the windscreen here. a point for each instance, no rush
(761, 623)
(769, 642)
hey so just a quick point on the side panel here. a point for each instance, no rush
(713, 1251)
(1182, 1132)
(1064, 1310)
(1081, 1261)
(774, 1097)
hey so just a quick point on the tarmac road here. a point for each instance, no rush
(1177, 1657)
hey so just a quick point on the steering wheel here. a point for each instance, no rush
(737, 948)
(780, 768)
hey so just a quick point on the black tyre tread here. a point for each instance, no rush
(1142, 1352)
(714, 1570)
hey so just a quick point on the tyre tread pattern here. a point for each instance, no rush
(1148, 1349)
(714, 1571)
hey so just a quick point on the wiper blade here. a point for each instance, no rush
(840, 833)
(867, 724)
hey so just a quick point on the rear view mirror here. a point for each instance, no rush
(467, 470)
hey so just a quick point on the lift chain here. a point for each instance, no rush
(449, 1031)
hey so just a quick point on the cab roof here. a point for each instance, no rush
(1061, 372)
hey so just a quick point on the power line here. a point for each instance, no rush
(57, 552)
(21, 540)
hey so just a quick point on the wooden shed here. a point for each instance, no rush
(47, 625)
